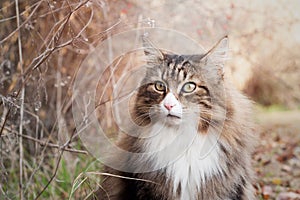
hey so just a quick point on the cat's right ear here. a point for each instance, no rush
(218, 54)
(153, 54)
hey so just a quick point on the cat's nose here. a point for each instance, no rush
(168, 106)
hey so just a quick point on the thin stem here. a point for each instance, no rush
(21, 195)
(47, 144)
(18, 20)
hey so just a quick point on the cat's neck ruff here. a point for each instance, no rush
(187, 156)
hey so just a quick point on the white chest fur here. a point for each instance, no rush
(187, 156)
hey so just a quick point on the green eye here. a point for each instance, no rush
(160, 86)
(189, 87)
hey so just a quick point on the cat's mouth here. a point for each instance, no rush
(173, 116)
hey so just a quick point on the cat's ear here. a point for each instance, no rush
(153, 54)
(218, 54)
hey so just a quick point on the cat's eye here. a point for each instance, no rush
(188, 87)
(159, 86)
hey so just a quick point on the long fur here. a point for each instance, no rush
(204, 157)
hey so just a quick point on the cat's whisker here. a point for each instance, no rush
(207, 112)
(211, 123)
(143, 116)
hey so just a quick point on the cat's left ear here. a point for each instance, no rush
(153, 54)
(218, 54)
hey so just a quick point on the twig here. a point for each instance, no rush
(25, 22)
(57, 165)
(4, 122)
(21, 14)
(123, 177)
(53, 176)
(47, 144)
(6, 38)
(22, 105)
(40, 59)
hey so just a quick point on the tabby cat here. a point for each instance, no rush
(196, 133)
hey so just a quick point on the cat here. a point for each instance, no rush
(196, 134)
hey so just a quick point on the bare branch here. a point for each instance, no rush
(21, 195)
(20, 26)
(46, 144)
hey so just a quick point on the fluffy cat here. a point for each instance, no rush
(196, 137)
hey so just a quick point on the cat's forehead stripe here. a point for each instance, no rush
(177, 67)
(164, 74)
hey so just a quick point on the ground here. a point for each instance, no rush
(277, 156)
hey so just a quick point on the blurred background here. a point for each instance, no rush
(44, 42)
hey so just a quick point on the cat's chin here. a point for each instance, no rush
(172, 120)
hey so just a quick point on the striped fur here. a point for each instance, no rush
(206, 156)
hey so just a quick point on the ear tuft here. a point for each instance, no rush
(152, 53)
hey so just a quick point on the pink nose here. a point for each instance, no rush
(168, 106)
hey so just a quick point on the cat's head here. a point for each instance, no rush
(178, 88)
